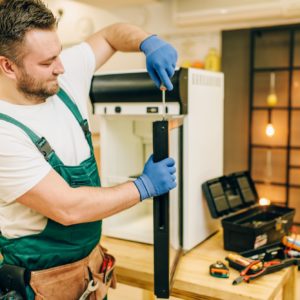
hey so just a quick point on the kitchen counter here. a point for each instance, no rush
(192, 279)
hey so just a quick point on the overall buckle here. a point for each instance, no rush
(45, 148)
(85, 126)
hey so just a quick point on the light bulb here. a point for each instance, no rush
(264, 201)
(272, 99)
(270, 130)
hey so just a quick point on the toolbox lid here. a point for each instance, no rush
(228, 194)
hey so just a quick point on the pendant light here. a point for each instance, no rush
(272, 97)
(270, 130)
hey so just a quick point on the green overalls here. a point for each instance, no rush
(56, 244)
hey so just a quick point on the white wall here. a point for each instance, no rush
(191, 40)
(79, 20)
(191, 43)
(73, 25)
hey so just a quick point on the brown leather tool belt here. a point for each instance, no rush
(70, 281)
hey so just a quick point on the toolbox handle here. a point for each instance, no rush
(279, 222)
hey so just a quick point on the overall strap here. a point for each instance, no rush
(75, 111)
(40, 142)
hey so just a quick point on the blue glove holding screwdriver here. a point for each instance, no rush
(161, 60)
(157, 178)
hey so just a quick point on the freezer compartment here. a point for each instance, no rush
(126, 144)
(137, 87)
(134, 224)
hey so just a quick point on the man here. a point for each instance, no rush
(51, 202)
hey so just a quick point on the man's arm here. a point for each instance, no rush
(161, 57)
(117, 37)
(55, 199)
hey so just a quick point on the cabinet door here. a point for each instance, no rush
(167, 208)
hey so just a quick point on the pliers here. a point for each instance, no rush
(244, 276)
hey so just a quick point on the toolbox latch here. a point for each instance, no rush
(279, 223)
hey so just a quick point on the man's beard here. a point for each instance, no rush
(33, 89)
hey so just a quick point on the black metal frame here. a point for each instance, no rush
(291, 68)
(163, 275)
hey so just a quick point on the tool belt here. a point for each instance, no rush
(69, 282)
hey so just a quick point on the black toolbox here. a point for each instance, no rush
(248, 225)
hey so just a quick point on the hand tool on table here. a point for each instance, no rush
(244, 275)
(219, 269)
(268, 268)
(239, 262)
(292, 241)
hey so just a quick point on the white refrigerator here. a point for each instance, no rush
(130, 109)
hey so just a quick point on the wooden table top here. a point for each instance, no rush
(192, 279)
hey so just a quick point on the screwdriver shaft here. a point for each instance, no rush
(163, 90)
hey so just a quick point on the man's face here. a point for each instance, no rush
(41, 66)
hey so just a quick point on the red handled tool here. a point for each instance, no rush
(267, 268)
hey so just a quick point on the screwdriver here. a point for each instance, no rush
(163, 90)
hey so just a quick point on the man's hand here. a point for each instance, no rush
(161, 60)
(157, 178)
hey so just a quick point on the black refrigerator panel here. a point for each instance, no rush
(138, 87)
(167, 141)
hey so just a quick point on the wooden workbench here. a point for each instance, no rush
(192, 280)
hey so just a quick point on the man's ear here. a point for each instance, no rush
(7, 67)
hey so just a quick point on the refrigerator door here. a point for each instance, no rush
(167, 208)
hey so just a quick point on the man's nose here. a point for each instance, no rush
(59, 68)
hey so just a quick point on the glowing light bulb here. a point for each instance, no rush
(272, 99)
(270, 130)
(264, 201)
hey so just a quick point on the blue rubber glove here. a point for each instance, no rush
(157, 178)
(161, 60)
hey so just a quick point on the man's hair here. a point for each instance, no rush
(18, 17)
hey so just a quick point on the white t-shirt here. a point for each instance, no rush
(21, 164)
